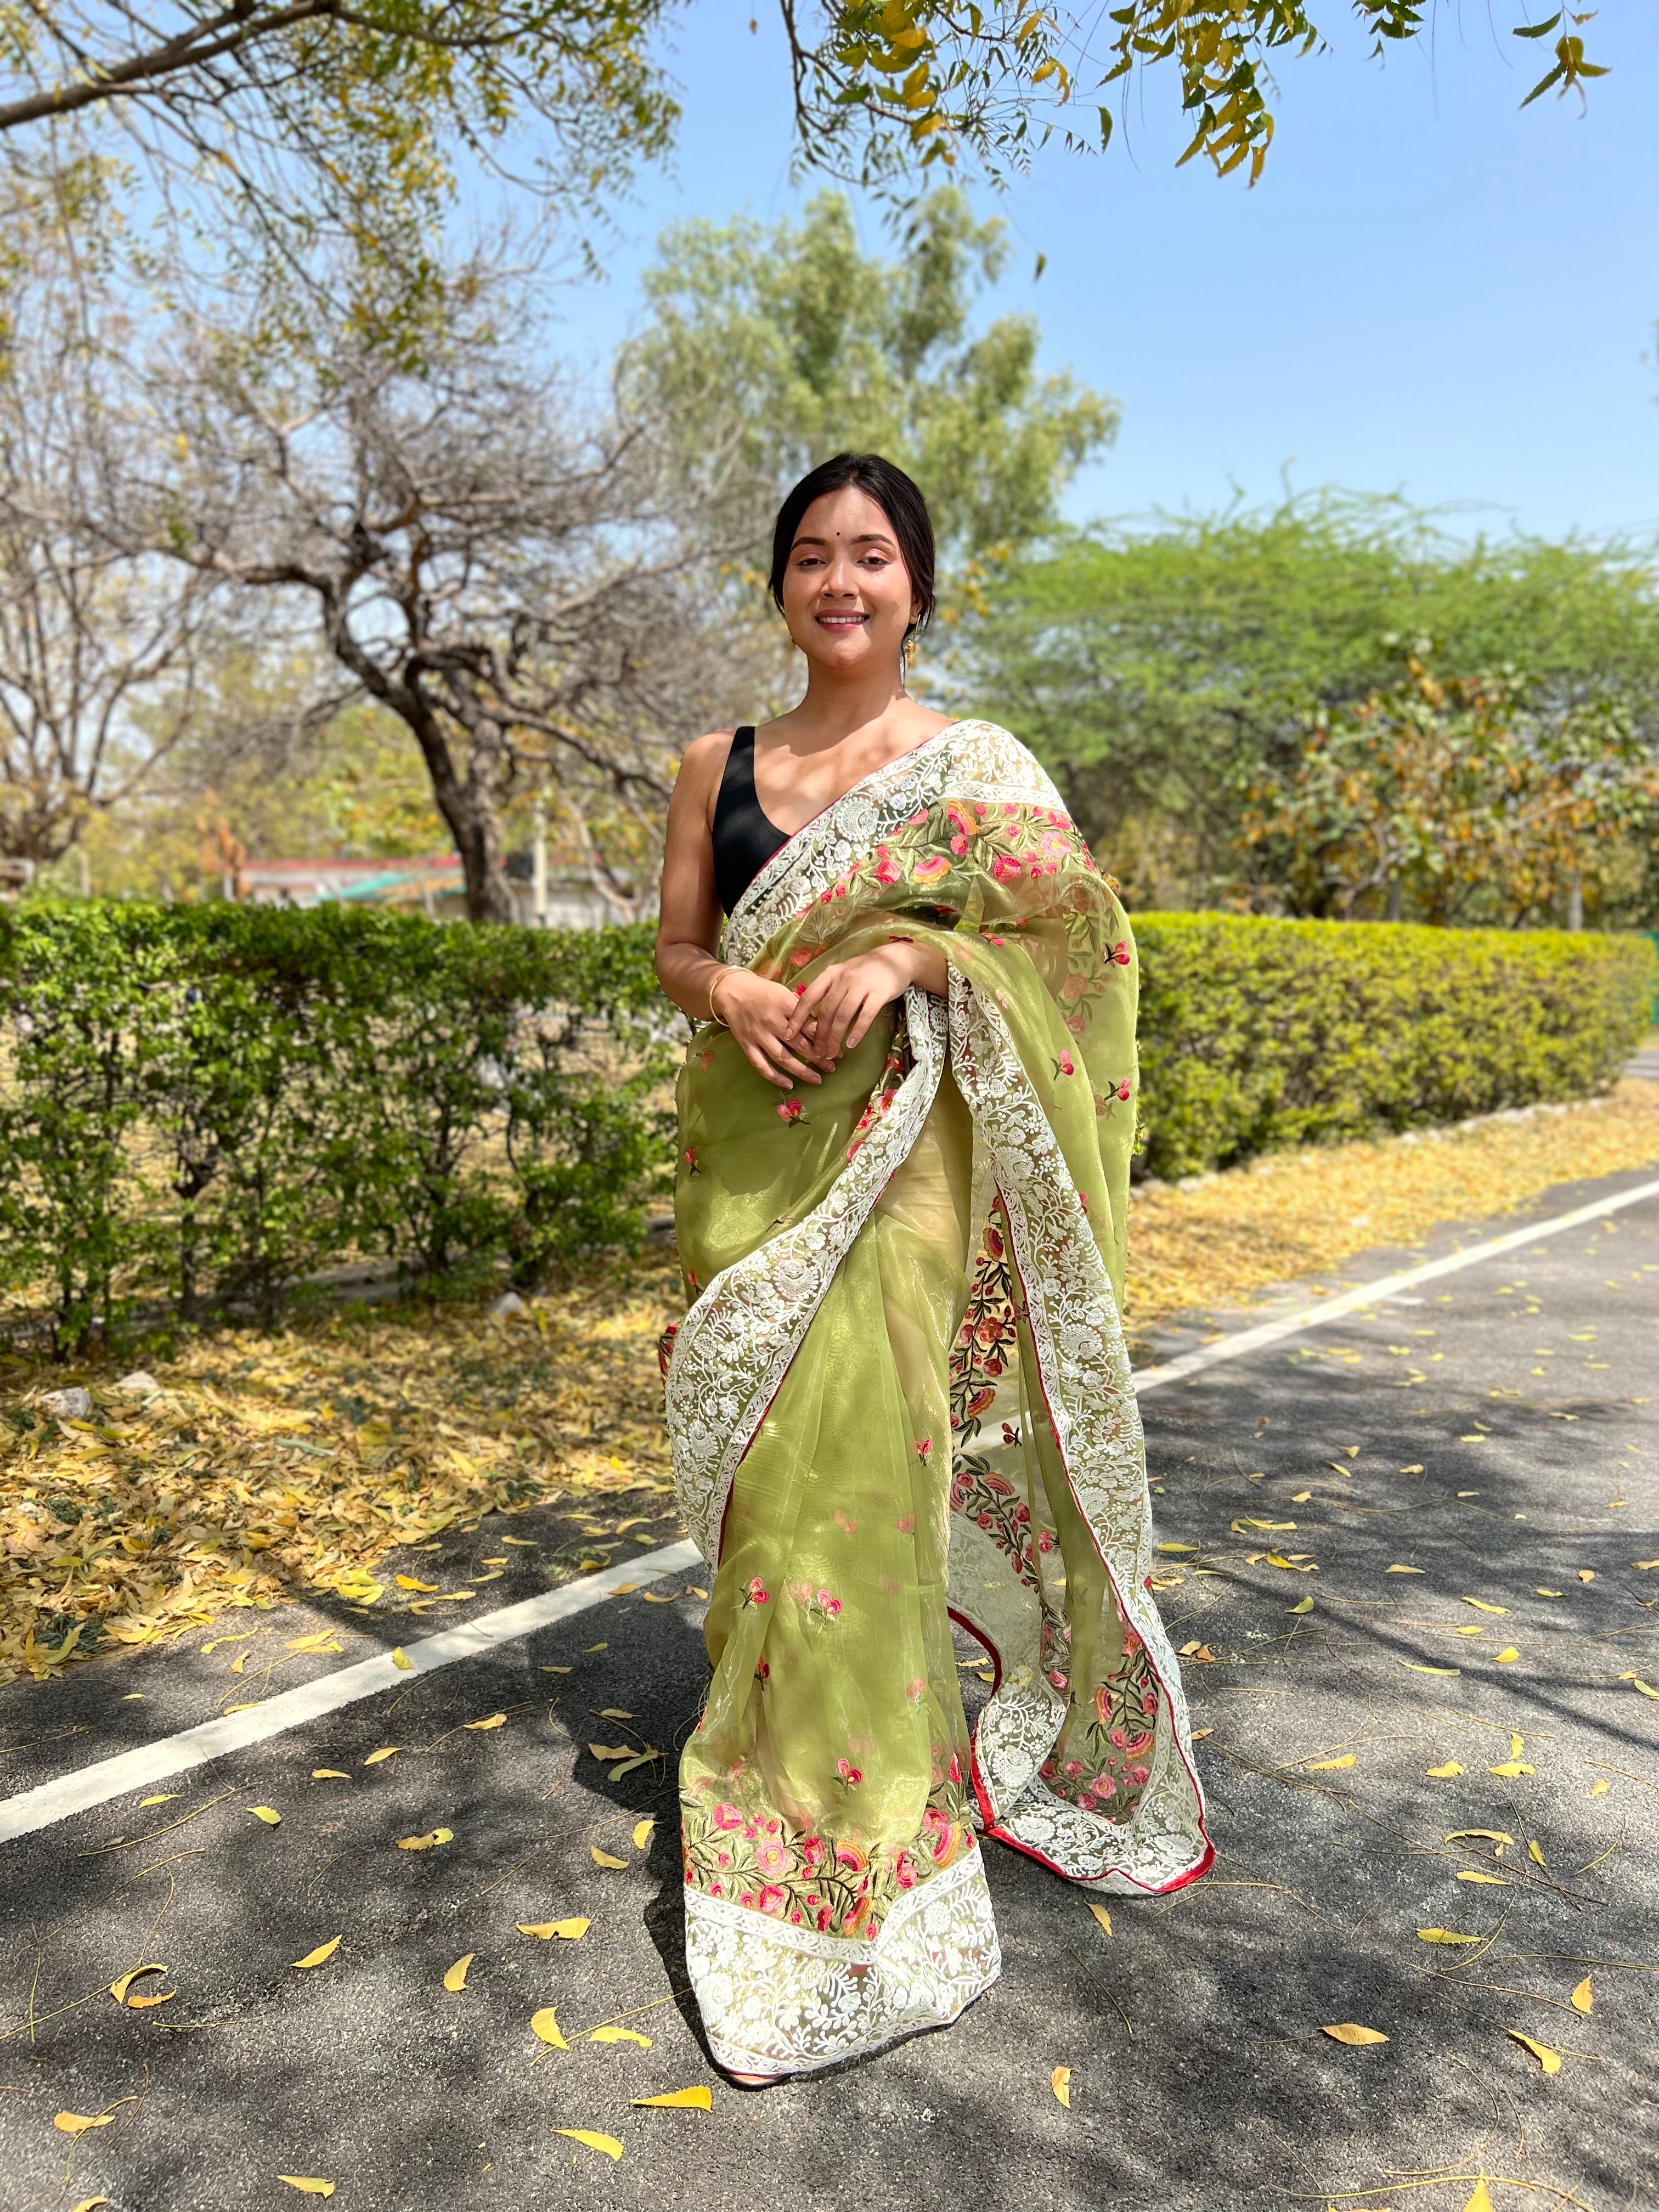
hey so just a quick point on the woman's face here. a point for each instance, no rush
(846, 595)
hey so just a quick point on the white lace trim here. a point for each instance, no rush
(735, 1345)
(781, 2000)
(1084, 1370)
(966, 760)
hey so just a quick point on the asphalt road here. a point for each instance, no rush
(1495, 1433)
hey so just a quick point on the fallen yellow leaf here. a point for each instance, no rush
(1443, 1773)
(624, 1590)
(142, 2004)
(1548, 2059)
(545, 2025)
(1302, 1498)
(1587, 1574)
(1444, 1936)
(400, 1659)
(385, 1751)
(91, 2204)
(328, 1774)
(604, 1858)
(1350, 2032)
(1060, 2083)
(1411, 1470)
(455, 1979)
(1642, 1565)
(1480, 1605)
(1646, 1688)
(323, 1951)
(691, 1590)
(697, 2099)
(1416, 1669)
(119, 1990)
(1480, 2202)
(1171, 1547)
(426, 1843)
(1544, 1593)
(495, 1721)
(239, 1661)
(77, 2123)
(1511, 1768)
(1535, 1854)
(1486, 1835)
(1303, 1605)
(264, 1813)
(1328, 1765)
(323, 1640)
(308, 2185)
(166, 1798)
(1496, 1879)
(408, 1583)
(1405, 1570)
(612, 1750)
(619, 2035)
(659, 1597)
(1102, 1916)
(1508, 1653)
(615, 1713)
(571, 1931)
(608, 2144)
(1583, 1997)
(642, 1834)
(1601, 1789)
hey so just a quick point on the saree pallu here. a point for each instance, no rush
(901, 1397)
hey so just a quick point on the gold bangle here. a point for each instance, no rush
(714, 1009)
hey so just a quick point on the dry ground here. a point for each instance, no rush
(271, 1462)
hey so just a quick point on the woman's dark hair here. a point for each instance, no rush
(899, 498)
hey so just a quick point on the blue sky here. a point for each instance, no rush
(1429, 292)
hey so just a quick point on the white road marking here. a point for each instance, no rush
(113, 1778)
(1370, 1294)
(154, 1762)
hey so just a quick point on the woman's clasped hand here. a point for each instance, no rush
(787, 1034)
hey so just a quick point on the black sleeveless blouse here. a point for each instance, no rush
(745, 838)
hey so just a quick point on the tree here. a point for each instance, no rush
(770, 349)
(348, 122)
(1448, 801)
(1157, 668)
(504, 569)
(89, 628)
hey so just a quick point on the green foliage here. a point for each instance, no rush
(774, 348)
(1256, 1034)
(1155, 670)
(1450, 796)
(198, 1104)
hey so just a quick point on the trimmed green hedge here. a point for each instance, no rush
(1257, 1034)
(199, 1105)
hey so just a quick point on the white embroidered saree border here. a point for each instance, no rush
(735, 1345)
(1085, 1377)
(778, 1999)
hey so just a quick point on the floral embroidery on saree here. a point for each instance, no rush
(930, 1246)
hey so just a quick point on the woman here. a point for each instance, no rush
(900, 1394)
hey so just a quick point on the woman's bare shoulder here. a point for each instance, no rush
(702, 766)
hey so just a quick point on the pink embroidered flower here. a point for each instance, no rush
(824, 1920)
(1085, 1800)
(829, 1607)
(851, 1775)
(955, 1768)
(791, 1110)
(722, 1858)
(772, 1900)
(1066, 1066)
(1104, 1786)
(1045, 1540)
(1121, 1738)
(1004, 868)
(924, 1448)
(1132, 1642)
(1121, 953)
(996, 941)
(888, 869)
(929, 871)
(916, 1691)
(904, 1872)
(1140, 1775)
(726, 1816)
(757, 1592)
(772, 1857)
(1149, 1702)
(1123, 1091)
(906, 1524)
(1056, 1679)
(811, 1856)
(850, 1856)
(691, 1158)
(1073, 1768)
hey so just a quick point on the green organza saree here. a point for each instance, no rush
(900, 1395)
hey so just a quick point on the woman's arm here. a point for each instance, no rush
(758, 1013)
(834, 1011)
